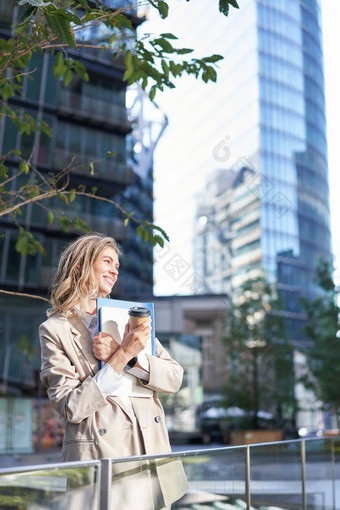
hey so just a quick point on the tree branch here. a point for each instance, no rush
(23, 294)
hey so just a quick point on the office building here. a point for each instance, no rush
(261, 128)
(274, 211)
(267, 113)
(88, 120)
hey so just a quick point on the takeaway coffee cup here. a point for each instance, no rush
(137, 315)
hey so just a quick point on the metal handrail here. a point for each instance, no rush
(105, 466)
(54, 465)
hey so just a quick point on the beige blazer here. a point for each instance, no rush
(99, 427)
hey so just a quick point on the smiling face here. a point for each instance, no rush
(105, 270)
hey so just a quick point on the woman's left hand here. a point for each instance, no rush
(104, 346)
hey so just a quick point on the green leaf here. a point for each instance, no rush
(3, 171)
(72, 195)
(165, 68)
(163, 9)
(140, 230)
(7, 91)
(183, 51)
(234, 4)
(224, 7)
(126, 222)
(167, 35)
(156, 227)
(123, 21)
(23, 167)
(61, 27)
(50, 216)
(27, 244)
(59, 66)
(212, 73)
(70, 16)
(62, 197)
(26, 15)
(152, 93)
(67, 77)
(144, 82)
(80, 69)
(165, 45)
(158, 240)
(212, 59)
(64, 222)
(129, 65)
(79, 224)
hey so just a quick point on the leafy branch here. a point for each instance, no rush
(61, 28)
(43, 188)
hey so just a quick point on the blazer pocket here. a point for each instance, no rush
(79, 441)
(83, 432)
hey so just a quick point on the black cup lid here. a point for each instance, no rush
(139, 311)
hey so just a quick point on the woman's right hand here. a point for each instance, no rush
(104, 346)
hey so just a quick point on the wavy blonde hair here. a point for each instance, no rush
(74, 279)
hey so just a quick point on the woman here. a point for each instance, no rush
(101, 421)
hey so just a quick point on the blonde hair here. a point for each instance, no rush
(74, 279)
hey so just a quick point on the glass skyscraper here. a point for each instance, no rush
(265, 113)
(259, 133)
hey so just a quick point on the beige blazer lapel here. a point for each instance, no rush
(83, 339)
(124, 407)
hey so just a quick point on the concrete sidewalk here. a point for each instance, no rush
(30, 459)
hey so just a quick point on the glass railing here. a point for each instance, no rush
(59, 486)
(287, 475)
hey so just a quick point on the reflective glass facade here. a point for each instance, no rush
(295, 223)
(277, 217)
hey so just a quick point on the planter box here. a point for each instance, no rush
(240, 437)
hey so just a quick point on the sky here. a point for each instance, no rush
(166, 283)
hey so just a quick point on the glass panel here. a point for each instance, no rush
(51, 84)
(48, 426)
(13, 262)
(57, 488)
(336, 467)
(34, 79)
(10, 136)
(44, 148)
(319, 475)
(275, 475)
(27, 145)
(31, 269)
(203, 479)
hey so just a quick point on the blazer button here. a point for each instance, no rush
(158, 419)
(102, 432)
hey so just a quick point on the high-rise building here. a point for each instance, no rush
(266, 112)
(263, 123)
(88, 120)
(285, 193)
